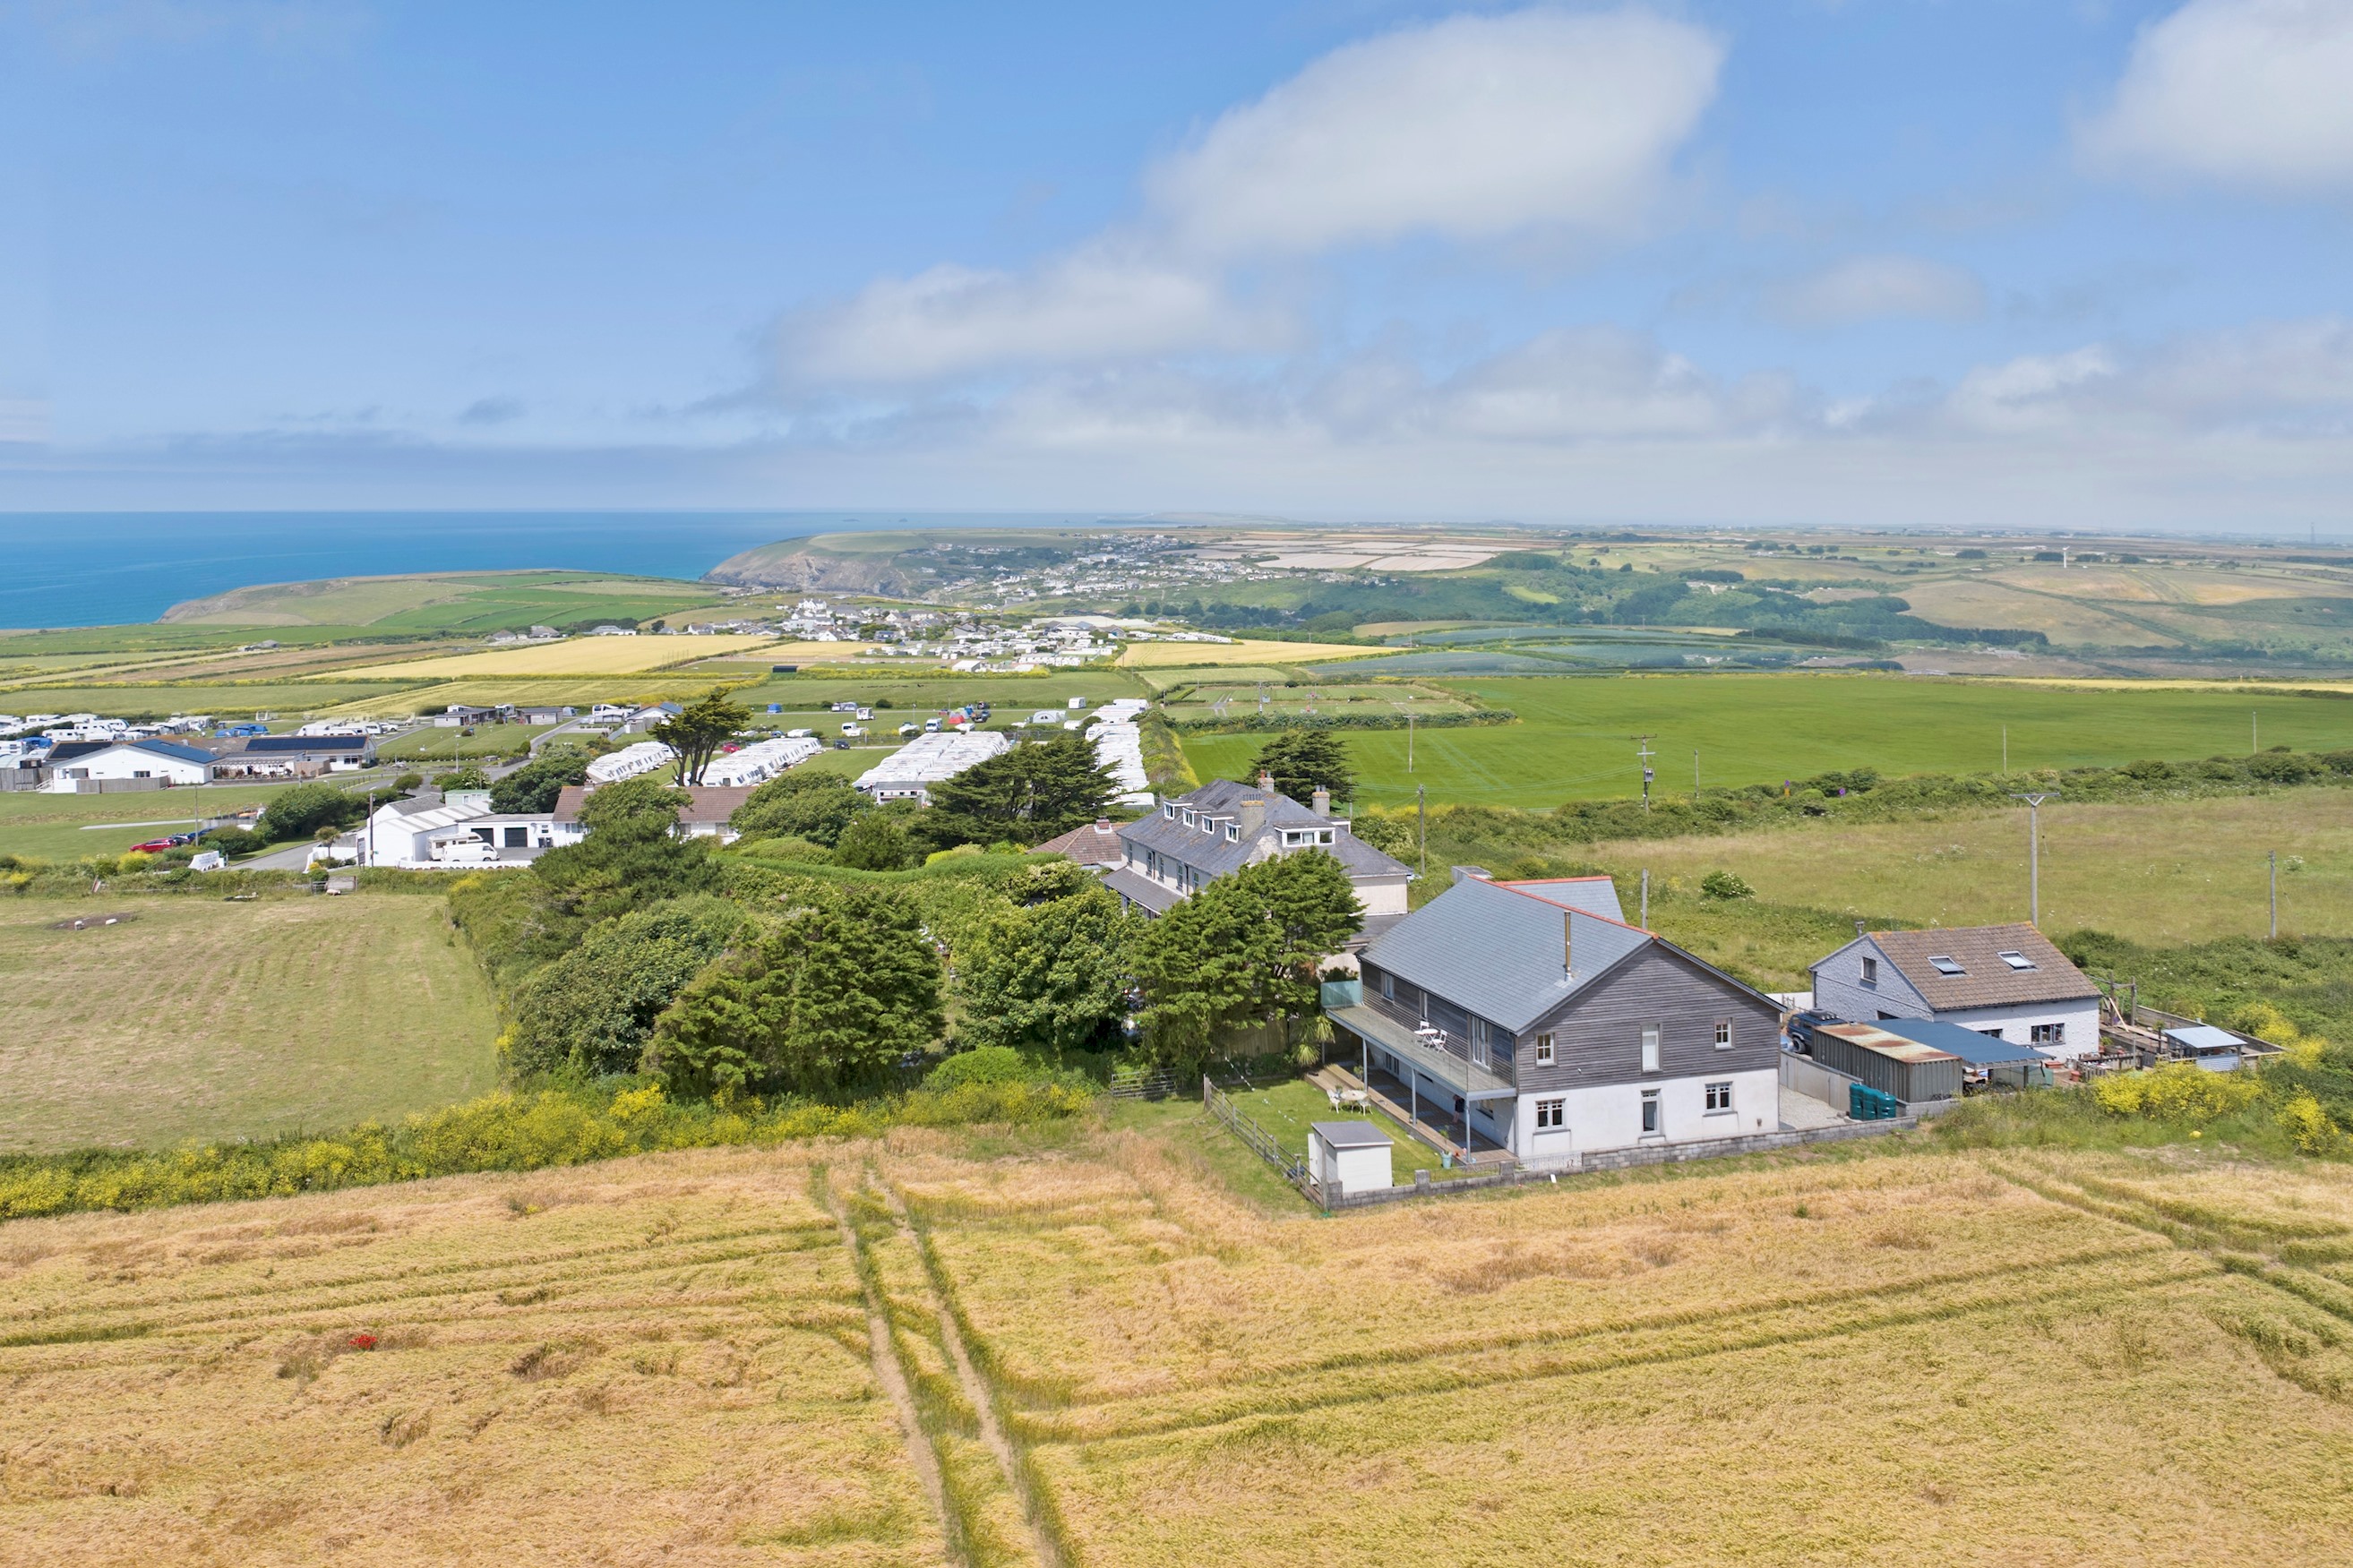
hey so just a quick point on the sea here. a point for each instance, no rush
(88, 569)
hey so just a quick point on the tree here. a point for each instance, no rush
(592, 1009)
(1301, 759)
(874, 842)
(302, 810)
(631, 854)
(1027, 794)
(823, 1000)
(800, 804)
(471, 777)
(1049, 977)
(1242, 951)
(535, 786)
(697, 731)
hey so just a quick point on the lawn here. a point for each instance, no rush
(434, 745)
(963, 1347)
(2162, 873)
(206, 1019)
(64, 827)
(1285, 1109)
(1576, 736)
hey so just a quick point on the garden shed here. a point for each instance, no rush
(1347, 1157)
(1909, 1070)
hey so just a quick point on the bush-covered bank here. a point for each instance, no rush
(1248, 724)
(539, 1129)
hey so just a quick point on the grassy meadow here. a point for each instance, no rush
(459, 602)
(68, 826)
(936, 1349)
(206, 1019)
(1575, 735)
(2163, 873)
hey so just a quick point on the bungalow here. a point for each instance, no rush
(296, 756)
(88, 767)
(457, 830)
(705, 816)
(2006, 981)
(1223, 826)
(1530, 1017)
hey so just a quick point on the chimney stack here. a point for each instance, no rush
(1321, 802)
(1265, 780)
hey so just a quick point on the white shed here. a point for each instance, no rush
(1348, 1156)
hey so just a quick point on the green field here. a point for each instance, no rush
(1576, 738)
(205, 1019)
(464, 602)
(433, 744)
(59, 827)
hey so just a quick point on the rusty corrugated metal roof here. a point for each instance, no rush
(1872, 1037)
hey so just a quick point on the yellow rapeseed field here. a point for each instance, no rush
(573, 656)
(931, 1350)
(1246, 650)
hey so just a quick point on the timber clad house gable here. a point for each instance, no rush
(1183, 844)
(2006, 981)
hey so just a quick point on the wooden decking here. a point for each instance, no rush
(1442, 1135)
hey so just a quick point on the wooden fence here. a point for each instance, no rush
(1258, 1140)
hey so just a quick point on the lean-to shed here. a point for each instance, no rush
(1907, 1069)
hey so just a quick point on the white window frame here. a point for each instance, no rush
(1723, 1034)
(1869, 970)
(1654, 1115)
(1718, 1097)
(1388, 985)
(1544, 1050)
(1552, 1115)
(2046, 1034)
(1651, 1053)
(1479, 1042)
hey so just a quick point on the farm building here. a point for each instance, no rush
(2006, 981)
(1914, 1072)
(1529, 1016)
(1223, 826)
(88, 767)
(909, 772)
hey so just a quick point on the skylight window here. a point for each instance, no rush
(2016, 960)
(1947, 964)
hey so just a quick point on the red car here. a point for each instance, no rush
(153, 847)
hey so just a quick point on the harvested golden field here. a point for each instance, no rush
(932, 1349)
(1242, 650)
(573, 655)
(202, 1019)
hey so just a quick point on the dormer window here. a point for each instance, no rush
(1323, 837)
(2016, 960)
(1168, 811)
(1233, 833)
(1945, 964)
(1188, 816)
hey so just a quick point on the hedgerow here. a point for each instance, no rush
(544, 1129)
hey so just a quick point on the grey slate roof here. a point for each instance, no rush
(268, 744)
(1222, 801)
(1350, 1134)
(1495, 949)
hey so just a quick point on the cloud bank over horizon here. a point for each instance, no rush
(1554, 263)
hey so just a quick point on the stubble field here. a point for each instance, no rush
(203, 1019)
(930, 1350)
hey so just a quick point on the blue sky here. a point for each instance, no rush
(1873, 261)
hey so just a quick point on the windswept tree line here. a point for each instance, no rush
(837, 944)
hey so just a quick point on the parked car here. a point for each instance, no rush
(842, 745)
(155, 846)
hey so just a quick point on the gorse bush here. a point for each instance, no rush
(2181, 1093)
(543, 1129)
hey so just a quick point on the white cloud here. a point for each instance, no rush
(2237, 93)
(954, 320)
(1471, 129)
(1873, 287)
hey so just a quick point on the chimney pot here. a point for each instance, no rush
(1265, 779)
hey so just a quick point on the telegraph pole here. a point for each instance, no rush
(1409, 740)
(1646, 754)
(1694, 776)
(1421, 823)
(2033, 852)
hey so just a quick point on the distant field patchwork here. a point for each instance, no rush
(573, 655)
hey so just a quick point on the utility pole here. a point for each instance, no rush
(1646, 754)
(1409, 740)
(2273, 857)
(2254, 732)
(1694, 776)
(2033, 852)
(1421, 823)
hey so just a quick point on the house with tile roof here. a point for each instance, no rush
(1187, 843)
(2006, 981)
(1533, 1018)
(1095, 845)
